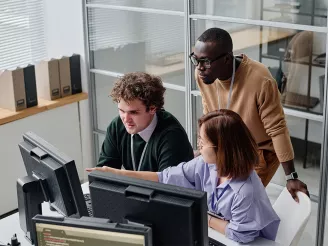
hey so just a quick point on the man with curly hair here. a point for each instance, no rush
(144, 137)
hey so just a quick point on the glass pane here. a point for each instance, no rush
(298, 56)
(107, 109)
(99, 141)
(177, 5)
(175, 104)
(123, 41)
(197, 110)
(307, 149)
(305, 12)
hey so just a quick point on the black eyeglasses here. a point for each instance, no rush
(207, 62)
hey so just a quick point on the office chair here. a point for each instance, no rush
(294, 217)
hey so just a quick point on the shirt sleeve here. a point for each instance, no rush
(174, 148)
(109, 154)
(186, 174)
(273, 118)
(242, 228)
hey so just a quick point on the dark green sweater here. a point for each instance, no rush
(167, 146)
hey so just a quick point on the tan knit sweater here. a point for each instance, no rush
(255, 97)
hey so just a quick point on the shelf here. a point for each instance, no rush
(314, 116)
(276, 10)
(7, 116)
(303, 61)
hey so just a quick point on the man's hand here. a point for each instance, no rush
(294, 185)
(103, 169)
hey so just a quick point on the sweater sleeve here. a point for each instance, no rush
(273, 118)
(109, 154)
(173, 148)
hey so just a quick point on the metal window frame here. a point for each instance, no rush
(321, 216)
(189, 93)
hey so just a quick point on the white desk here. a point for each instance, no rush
(10, 225)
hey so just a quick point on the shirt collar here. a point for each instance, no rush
(235, 184)
(146, 133)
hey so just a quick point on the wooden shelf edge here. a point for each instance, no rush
(7, 116)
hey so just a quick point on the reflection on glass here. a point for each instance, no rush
(124, 41)
(175, 104)
(100, 139)
(197, 113)
(106, 108)
(307, 149)
(296, 59)
(305, 12)
(176, 5)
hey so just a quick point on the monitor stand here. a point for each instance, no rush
(31, 193)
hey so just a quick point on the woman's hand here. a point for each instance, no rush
(217, 224)
(103, 169)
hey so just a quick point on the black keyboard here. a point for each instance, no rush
(213, 242)
(87, 200)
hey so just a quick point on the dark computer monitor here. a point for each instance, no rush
(52, 177)
(177, 216)
(88, 231)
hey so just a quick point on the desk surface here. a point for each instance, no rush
(7, 116)
(10, 225)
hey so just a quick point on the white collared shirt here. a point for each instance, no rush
(146, 133)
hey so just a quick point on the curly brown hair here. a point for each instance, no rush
(139, 85)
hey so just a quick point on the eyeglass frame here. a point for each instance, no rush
(200, 144)
(204, 60)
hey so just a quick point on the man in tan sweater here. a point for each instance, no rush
(246, 87)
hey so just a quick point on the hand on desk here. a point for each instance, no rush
(217, 224)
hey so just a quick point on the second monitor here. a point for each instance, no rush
(177, 216)
(52, 177)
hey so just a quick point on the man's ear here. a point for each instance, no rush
(227, 59)
(152, 109)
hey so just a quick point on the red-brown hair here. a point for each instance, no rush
(236, 149)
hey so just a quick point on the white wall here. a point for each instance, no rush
(59, 127)
(64, 36)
